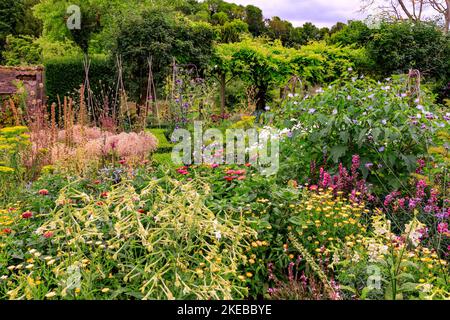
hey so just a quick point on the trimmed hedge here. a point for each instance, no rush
(164, 146)
(64, 75)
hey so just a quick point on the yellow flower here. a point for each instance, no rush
(249, 274)
(105, 290)
(50, 294)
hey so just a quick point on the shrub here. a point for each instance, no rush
(21, 50)
(381, 122)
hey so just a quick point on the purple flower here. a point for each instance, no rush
(311, 111)
(369, 165)
(381, 149)
(429, 116)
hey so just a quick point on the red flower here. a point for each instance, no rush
(141, 211)
(104, 194)
(27, 214)
(7, 231)
(228, 178)
(123, 161)
(313, 187)
(248, 164)
(48, 235)
(183, 171)
(100, 203)
(96, 182)
(43, 192)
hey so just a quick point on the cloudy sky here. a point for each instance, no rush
(323, 13)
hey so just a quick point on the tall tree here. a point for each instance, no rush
(413, 10)
(255, 20)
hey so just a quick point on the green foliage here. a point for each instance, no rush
(377, 121)
(22, 50)
(163, 145)
(161, 35)
(398, 47)
(16, 19)
(255, 20)
(233, 31)
(159, 243)
(355, 33)
(319, 63)
(257, 63)
(65, 75)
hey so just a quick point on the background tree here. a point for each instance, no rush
(355, 33)
(279, 29)
(255, 20)
(413, 10)
(233, 31)
(397, 47)
(160, 34)
(261, 66)
(16, 18)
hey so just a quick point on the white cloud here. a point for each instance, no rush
(323, 13)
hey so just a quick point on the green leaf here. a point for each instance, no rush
(337, 152)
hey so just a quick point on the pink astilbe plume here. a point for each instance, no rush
(129, 146)
(83, 134)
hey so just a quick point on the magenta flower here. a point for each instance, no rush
(443, 227)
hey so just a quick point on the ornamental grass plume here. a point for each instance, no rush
(128, 146)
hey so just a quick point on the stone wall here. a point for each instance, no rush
(32, 78)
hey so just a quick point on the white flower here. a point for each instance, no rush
(218, 235)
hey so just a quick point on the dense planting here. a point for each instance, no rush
(93, 204)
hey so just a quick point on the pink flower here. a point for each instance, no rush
(313, 187)
(48, 235)
(443, 227)
(27, 215)
(43, 192)
(214, 165)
